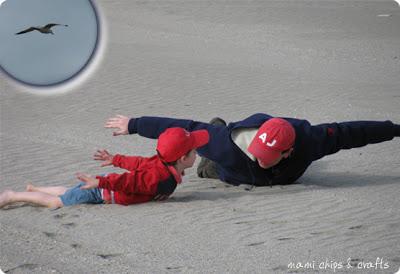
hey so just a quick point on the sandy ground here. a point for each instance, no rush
(320, 60)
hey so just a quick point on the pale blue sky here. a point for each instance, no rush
(45, 59)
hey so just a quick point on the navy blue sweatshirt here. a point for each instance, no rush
(235, 167)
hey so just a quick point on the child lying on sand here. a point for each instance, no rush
(147, 179)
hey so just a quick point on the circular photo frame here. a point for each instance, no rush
(47, 45)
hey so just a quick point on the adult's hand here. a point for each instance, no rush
(119, 122)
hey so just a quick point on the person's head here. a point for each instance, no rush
(273, 142)
(177, 146)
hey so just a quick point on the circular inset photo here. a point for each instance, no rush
(47, 42)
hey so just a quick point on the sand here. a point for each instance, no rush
(320, 60)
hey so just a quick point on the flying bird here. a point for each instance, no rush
(46, 29)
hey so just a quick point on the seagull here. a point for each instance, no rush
(46, 29)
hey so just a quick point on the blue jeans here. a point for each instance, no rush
(76, 195)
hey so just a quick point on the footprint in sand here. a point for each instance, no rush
(356, 227)
(69, 225)
(108, 256)
(281, 268)
(50, 234)
(285, 239)
(59, 216)
(173, 267)
(255, 244)
(76, 245)
(22, 267)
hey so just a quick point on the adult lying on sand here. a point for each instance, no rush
(262, 150)
(153, 178)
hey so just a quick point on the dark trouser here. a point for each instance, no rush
(207, 169)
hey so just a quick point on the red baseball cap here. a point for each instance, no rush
(273, 137)
(175, 142)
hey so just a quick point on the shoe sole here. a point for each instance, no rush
(216, 121)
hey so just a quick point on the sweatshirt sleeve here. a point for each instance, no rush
(152, 127)
(136, 182)
(127, 162)
(330, 138)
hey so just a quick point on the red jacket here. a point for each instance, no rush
(146, 179)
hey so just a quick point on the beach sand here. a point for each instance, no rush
(324, 61)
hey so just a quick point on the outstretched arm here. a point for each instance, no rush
(152, 127)
(127, 162)
(122, 161)
(330, 138)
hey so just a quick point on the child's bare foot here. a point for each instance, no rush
(5, 198)
(30, 187)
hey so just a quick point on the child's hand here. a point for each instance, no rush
(103, 155)
(120, 122)
(89, 181)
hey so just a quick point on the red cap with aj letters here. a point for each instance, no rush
(273, 137)
(176, 142)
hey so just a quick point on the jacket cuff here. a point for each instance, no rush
(116, 160)
(132, 126)
(102, 181)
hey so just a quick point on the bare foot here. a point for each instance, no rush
(30, 187)
(5, 198)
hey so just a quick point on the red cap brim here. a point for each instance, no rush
(200, 138)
